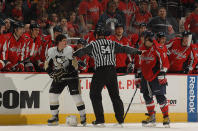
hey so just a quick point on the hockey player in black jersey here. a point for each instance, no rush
(60, 64)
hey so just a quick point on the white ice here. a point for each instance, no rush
(108, 127)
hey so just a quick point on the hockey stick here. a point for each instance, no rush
(130, 103)
(70, 78)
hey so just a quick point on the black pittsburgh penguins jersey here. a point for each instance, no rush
(103, 51)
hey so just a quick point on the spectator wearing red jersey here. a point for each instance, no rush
(73, 28)
(141, 16)
(129, 8)
(181, 56)
(121, 59)
(13, 49)
(191, 24)
(17, 12)
(89, 12)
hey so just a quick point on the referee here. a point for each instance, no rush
(103, 52)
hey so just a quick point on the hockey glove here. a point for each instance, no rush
(82, 63)
(138, 76)
(162, 78)
(130, 67)
(19, 68)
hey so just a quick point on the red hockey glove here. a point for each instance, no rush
(19, 68)
(29, 67)
(162, 78)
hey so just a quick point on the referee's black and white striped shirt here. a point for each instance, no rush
(103, 52)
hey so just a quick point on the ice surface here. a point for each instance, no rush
(108, 127)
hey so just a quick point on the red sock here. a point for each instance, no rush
(164, 109)
(150, 108)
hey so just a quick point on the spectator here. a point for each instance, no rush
(191, 24)
(129, 8)
(162, 23)
(63, 25)
(89, 12)
(111, 17)
(2, 7)
(153, 7)
(182, 21)
(17, 12)
(141, 16)
(174, 8)
(73, 28)
(27, 28)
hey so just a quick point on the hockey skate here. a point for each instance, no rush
(83, 120)
(150, 121)
(98, 124)
(53, 121)
(166, 122)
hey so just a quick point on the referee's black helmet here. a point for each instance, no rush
(100, 30)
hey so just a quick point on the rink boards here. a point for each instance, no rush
(24, 99)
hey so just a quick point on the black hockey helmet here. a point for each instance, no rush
(186, 33)
(99, 30)
(35, 25)
(18, 25)
(150, 35)
(57, 29)
(119, 25)
(82, 41)
(142, 24)
(161, 34)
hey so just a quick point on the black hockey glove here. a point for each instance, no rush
(138, 76)
(82, 63)
(130, 67)
(139, 52)
(186, 70)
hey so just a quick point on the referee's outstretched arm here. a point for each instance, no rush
(126, 49)
(81, 52)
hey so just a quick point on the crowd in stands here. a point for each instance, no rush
(28, 28)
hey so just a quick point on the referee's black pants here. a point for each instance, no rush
(106, 76)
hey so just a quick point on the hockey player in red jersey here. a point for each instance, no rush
(136, 38)
(152, 78)
(181, 57)
(33, 49)
(121, 59)
(195, 52)
(13, 49)
(49, 42)
(84, 60)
